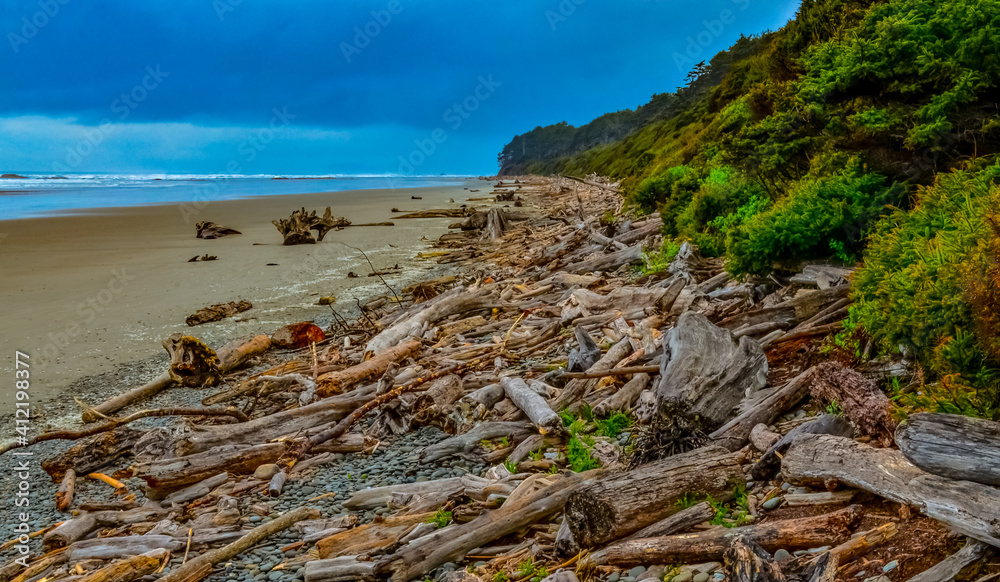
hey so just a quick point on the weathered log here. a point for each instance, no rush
(210, 230)
(734, 434)
(860, 398)
(576, 389)
(165, 475)
(607, 262)
(277, 484)
(197, 490)
(200, 567)
(746, 561)
(625, 397)
(681, 521)
(860, 545)
(770, 461)
(565, 544)
(969, 508)
(617, 505)
(640, 231)
(951, 445)
(371, 536)
(64, 496)
(457, 300)
(218, 312)
(711, 545)
(496, 225)
(129, 568)
(454, 542)
(533, 406)
(91, 454)
(947, 570)
(790, 312)
(336, 382)
(229, 358)
(110, 548)
(342, 569)
(70, 531)
(381, 496)
(465, 443)
(705, 372)
(821, 498)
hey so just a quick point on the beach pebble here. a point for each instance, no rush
(782, 555)
(683, 577)
(890, 566)
(702, 577)
(634, 572)
(266, 471)
(773, 503)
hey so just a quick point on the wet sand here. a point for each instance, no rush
(81, 294)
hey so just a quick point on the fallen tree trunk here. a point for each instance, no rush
(947, 570)
(860, 398)
(734, 434)
(681, 521)
(625, 397)
(457, 300)
(166, 475)
(128, 569)
(533, 406)
(454, 542)
(335, 382)
(617, 505)
(199, 568)
(467, 442)
(711, 545)
(969, 508)
(607, 262)
(111, 548)
(91, 454)
(342, 569)
(380, 496)
(229, 358)
(954, 446)
(369, 537)
(70, 531)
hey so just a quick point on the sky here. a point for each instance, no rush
(333, 86)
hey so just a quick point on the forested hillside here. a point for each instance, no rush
(865, 132)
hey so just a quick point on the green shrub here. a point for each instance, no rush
(658, 261)
(815, 213)
(911, 291)
(440, 518)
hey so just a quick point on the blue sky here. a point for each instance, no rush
(333, 86)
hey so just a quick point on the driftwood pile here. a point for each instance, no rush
(628, 421)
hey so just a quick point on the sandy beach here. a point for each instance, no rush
(84, 293)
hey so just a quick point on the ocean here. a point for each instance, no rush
(32, 196)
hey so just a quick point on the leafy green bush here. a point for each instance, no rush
(440, 518)
(657, 261)
(814, 214)
(667, 192)
(911, 291)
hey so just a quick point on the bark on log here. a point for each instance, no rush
(948, 569)
(734, 434)
(111, 548)
(335, 382)
(970, 508)
(64, 496)
(711, 545)
(770, 461)
(533, 406)
(617, 505)
(465, 443)
(861, 399)
(954, 446)
(165, 475)
(746, 561)
(128, 569)
(199, 568)
(705, 372)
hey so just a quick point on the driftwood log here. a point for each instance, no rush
(617, 505)
(451, 302)
(218, 312)
(969, 508)
(711, 545)
(130, 568)
(533, 406)
(734, 434)
(465, 443)
(952, 446)
(335, 382)
(210, 230)
(861, 399)
(947, 570)
(746, 561)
